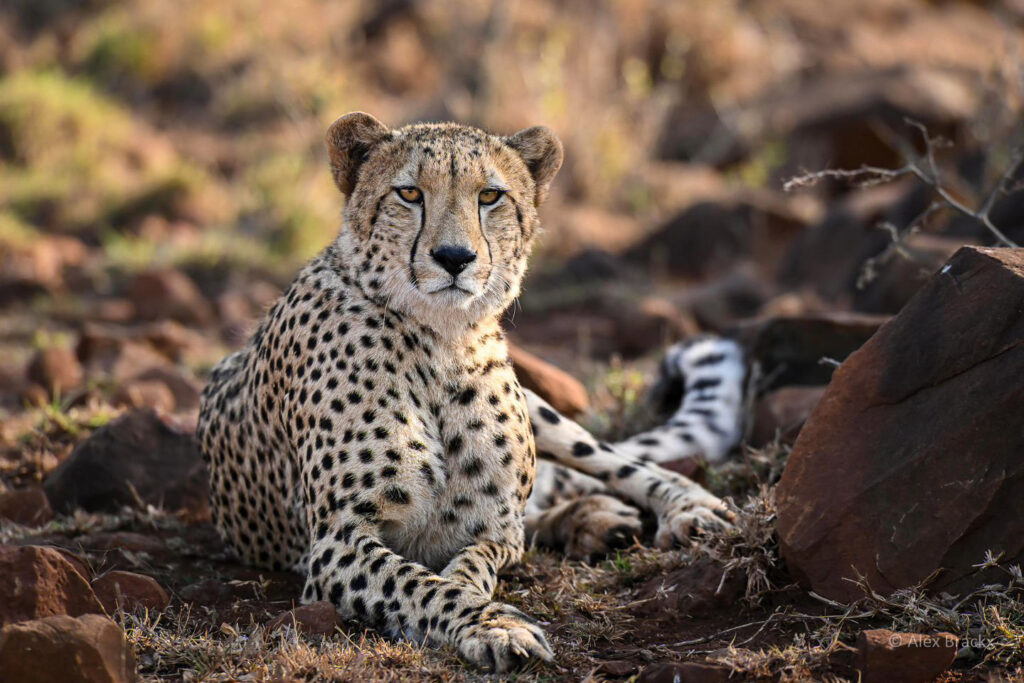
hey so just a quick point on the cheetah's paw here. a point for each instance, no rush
(601, 524)
(692, 516)
(504, 639)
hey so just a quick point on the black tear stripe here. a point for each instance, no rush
(519, 216)
(416, 243)
(480, 221)
(376, 211)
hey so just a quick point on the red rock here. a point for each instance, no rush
(130, 591)
(790, 349)
(38, 267)
(25, 506)
(709, 237)
(116, 355)
(691, 468)
(783, 413)
(913, 461)
(899, 278)
(39, 582)
(564, 392)
(56, 370)
(114, 311)
(160, 294)
(137, 456)
(318, 618)
(685, 672)
(35, 395)
(887, 657)
(77, 563)
(651, 323)
(184, 390)
(721, 303)
(122, 353)
(89, 649)
(828, 257)
(616, 668)
(694, 590)
(140, 393)
(170, 338)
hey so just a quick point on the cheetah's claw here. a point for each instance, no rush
(505, 639)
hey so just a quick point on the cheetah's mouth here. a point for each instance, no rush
(453, 288)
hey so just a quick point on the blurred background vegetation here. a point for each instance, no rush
(138, 135)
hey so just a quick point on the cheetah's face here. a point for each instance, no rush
(441, 217)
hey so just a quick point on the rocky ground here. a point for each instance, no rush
(162, 176)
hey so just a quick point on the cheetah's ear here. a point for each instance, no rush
(541, 149)
(349, 140)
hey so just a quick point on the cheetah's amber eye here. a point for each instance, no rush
(490, 196)
(410, 194)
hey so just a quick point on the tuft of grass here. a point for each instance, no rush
(72, 158)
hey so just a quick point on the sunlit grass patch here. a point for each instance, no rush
(72, 158)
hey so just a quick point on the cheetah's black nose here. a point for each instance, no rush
(453, 259)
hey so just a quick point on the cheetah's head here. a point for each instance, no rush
(440, 218)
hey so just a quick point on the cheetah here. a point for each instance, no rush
(372, 435)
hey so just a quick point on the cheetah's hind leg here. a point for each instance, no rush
(708, 423)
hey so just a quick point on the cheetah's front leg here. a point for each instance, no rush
(365, 580)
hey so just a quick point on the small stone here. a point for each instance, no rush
(691, 468)
(694, 590)
(56, 370)
(29, 507)
(318, 618)
(35, 395)
(89, 649)
(185, 390)
(141, 393)
(782, 413)
(616, 668)
(130, 591)
(39, 582)
(685, 672)
(888, 657)
(161, 294)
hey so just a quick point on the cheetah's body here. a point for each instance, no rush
(372, 434)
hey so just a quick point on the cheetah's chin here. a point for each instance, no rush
(453, 295)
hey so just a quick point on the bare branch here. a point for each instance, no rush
(926, 169)
(865, 176)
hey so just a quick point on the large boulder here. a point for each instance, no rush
(135, 457)
(41, 582)
(89, 649)
(913, 461)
